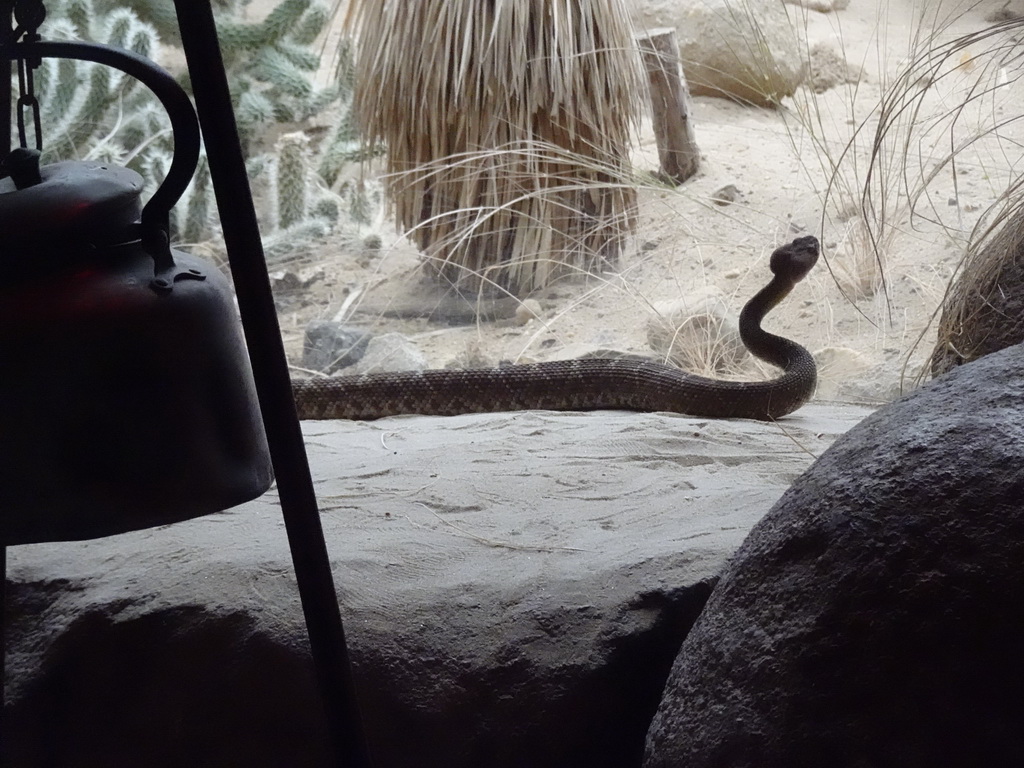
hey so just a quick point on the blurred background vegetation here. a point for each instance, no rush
(299, 139)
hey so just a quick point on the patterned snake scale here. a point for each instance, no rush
(591, 384)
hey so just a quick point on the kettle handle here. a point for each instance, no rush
(184, 125)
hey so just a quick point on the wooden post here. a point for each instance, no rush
(670, 104)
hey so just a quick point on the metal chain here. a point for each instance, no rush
(29, 14)
(27, 99)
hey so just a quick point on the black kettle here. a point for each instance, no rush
(126, 394)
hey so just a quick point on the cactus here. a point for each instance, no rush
(360, 203)
(292, 151)
(269, 62)
(79, 13)
(98, 112)
(196, 225)
(288, 244)
(57, 84)
(86, 106)
(326, 208)
(344, 146)
(341, 148)
(157, 13)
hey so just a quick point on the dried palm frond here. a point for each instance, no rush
(507, 125)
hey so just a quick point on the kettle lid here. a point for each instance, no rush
(65, 209)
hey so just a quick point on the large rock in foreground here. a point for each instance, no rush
(514, 586)
(874, 617)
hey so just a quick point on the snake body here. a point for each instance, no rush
(591, 384)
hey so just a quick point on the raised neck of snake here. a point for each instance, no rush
(774, 349)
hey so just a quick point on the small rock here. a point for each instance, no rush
(284, 281)
(1003, 14)
(289, 286)
(828, 69)
(391, 353)
(836, 366)
(329, 346)
(312, 275)
(727, 195)
(528, 310)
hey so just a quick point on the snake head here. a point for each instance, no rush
(794, 260)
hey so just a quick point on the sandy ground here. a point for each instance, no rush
(870, 330)
(403, 518)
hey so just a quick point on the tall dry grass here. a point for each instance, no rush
(938, 113)
(872, 189)
(507, 126)
(979, 311)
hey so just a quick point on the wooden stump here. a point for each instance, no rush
(670, 104)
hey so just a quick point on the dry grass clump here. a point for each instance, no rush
(699, 334)
(858, 264)
(507, 126)
(983, 310)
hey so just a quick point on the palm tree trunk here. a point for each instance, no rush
(507, 125)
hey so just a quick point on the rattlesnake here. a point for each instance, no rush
(591, 384)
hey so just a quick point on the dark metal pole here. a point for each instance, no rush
(3, 649)
(6, 32)
(273, 384)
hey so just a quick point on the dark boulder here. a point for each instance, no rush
(875, 616)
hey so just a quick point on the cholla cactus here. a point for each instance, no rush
(198, 213)
(270, 62)
(293, 181)
(292, 151)
(344, 145)
(94, 111)
(272, 65)
(86, 106)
